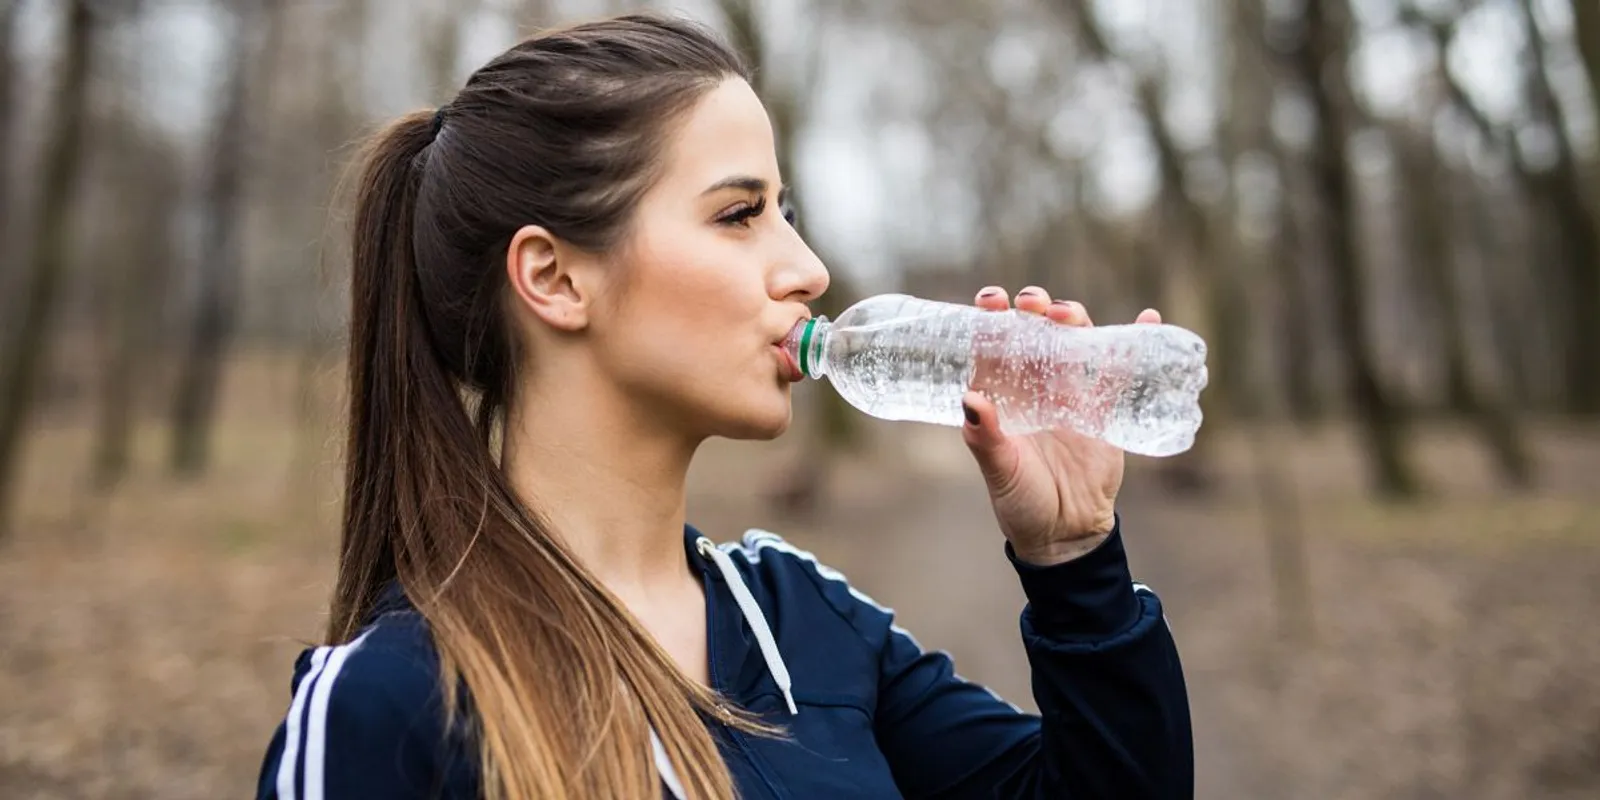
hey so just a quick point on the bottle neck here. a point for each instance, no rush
(812, 351)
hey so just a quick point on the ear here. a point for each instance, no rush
(549, 278)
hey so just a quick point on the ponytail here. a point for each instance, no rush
(565, 685)
(382, 311)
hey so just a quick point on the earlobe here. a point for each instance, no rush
(543, 280)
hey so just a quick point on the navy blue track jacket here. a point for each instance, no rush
(876, 715)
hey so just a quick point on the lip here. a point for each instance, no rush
(792, 333)
(786, 346)
(791, 369)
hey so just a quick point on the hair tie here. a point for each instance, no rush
(438, 124)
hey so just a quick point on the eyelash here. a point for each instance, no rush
(743, 216)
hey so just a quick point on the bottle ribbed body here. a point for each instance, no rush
(902, 358)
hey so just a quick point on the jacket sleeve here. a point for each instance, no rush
(363, 723)
(1114, 715)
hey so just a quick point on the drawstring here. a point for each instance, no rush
(669, 775)
(769, 652)
(752, 614)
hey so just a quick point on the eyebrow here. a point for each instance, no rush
(746, 183)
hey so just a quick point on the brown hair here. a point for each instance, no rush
(564, 130)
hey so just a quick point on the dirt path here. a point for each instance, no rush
(1455, 654)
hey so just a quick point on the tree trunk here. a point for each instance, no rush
(1586, 23)
(1516, 334)
(1426, 193)
(836, 425)
(1254, 73)
(220, 265)
(122, 303)
(1321, 63)
(1542, 243)
(1284, 524)
(533, 14)
(27, 352)
(1246, 129)
(1258, 71)
(442, 47)
(332, 114)
(8, 122)
(1303, 402)
(1197, 299)
(1574, 212)
(136, 285)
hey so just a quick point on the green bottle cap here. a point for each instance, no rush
(805, 347)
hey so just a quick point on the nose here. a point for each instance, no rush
(801, 275)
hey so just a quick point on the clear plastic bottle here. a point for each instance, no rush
(898, 357)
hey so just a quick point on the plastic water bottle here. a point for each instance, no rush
(898, 357)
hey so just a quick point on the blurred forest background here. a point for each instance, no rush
(1384, 216)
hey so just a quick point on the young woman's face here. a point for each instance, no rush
(711, 278)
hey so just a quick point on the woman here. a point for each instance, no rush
(589, 243)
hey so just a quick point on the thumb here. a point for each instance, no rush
(995, 453)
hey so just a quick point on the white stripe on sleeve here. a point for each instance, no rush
(317, 721)
(291, 741)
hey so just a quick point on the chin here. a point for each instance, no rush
(758, 429)
(760, 421)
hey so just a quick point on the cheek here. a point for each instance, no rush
(704, 291)
(687, 321)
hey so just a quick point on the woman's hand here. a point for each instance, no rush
(1054, 492)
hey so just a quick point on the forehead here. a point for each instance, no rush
(726, 132)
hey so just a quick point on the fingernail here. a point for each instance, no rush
(1033, 290)
(1061, 302)
(989, 292)
(972, 415)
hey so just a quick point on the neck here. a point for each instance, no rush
(611, 485)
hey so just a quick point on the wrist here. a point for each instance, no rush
(1089, 598)
(1052, 553)
(1060, 551)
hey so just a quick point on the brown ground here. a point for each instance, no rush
(146, 641)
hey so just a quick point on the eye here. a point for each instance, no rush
(741, 215)
(789, 214)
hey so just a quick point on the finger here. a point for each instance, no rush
(1033, 300)
(1070, 312)
(995, 452)
(992, 298)
(1149, 315)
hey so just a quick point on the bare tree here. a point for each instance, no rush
(27, 352)
(1427, 191)
(441, 48)
(1200, 285)
(134, 201)
(533, 13)
(836, 424)
(221, 256)
(1302, 394)
(1321, 64)
(329, 107)
(1568, 282)
(1586, 17)
(9, 112)
(1545, 280)
(1247, 134)
(1255, 73)
(131, 289)
(1576, 213)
